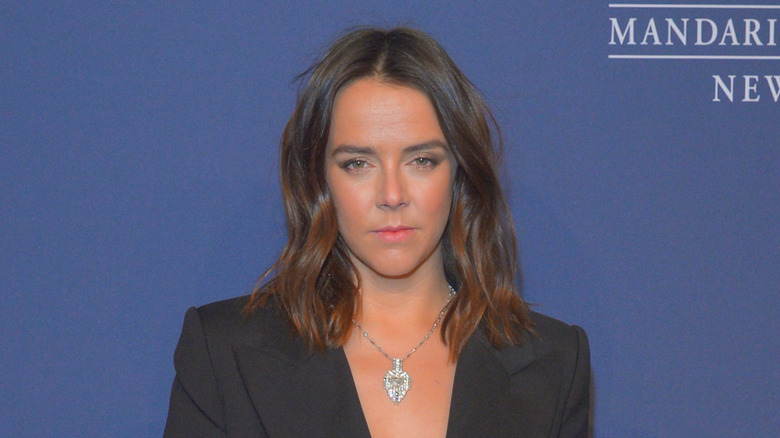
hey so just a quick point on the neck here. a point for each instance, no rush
(422, 293)
(396, 316)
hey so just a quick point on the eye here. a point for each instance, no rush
(425, 162)
(354, 164)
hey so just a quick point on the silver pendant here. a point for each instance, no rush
(397, 382)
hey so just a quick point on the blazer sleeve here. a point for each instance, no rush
(576, 411)
(195, 408)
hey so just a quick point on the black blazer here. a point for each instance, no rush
(248, 377)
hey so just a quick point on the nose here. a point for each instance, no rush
(392, 192)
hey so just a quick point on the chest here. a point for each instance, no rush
(423, 382)
(338, 394)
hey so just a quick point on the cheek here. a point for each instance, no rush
(349, 201)
(436, 199)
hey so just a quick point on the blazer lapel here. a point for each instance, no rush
(503, 393)
(497, 393)
(296, 392)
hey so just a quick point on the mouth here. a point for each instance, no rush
(394, 234)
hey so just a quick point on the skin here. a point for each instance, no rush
(390, 174)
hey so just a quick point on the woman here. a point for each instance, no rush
(392, 310)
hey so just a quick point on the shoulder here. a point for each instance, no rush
(556, 339)
(220, 318)
(548, 341)
(211, 334)
(226, 321)
(221, 314)
(223, 326)
(209, 392)
(550, 334)
(207, 330)
(550, 370)
(566, 345)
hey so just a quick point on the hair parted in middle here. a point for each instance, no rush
(313, 281)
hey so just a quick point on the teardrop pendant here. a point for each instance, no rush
(397, 382)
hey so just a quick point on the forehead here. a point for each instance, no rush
(370, 112)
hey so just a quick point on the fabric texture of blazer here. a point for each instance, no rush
(249, 377)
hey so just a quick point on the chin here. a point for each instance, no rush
(394, 264)
(394, 268)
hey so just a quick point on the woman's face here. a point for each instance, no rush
(390, 174)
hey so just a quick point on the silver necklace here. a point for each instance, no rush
(397, 381)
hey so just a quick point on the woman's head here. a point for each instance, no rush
(389, 174)
(314, 281)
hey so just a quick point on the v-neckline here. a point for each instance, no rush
(460, 387)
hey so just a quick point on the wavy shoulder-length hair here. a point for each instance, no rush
(313, 281)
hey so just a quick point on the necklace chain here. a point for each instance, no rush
(422, 341)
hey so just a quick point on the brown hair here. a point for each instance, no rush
(312, 281)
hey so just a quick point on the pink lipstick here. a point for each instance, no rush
(394, 234)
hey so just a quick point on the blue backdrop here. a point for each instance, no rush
(138, 177)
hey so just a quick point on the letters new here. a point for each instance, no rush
(750, 84)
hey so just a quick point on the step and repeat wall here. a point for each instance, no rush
(138, 177)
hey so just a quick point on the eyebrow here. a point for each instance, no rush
(368, 150)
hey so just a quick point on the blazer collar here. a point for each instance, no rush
(297, 392)
(483, 400)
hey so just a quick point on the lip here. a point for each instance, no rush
(394, 234)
